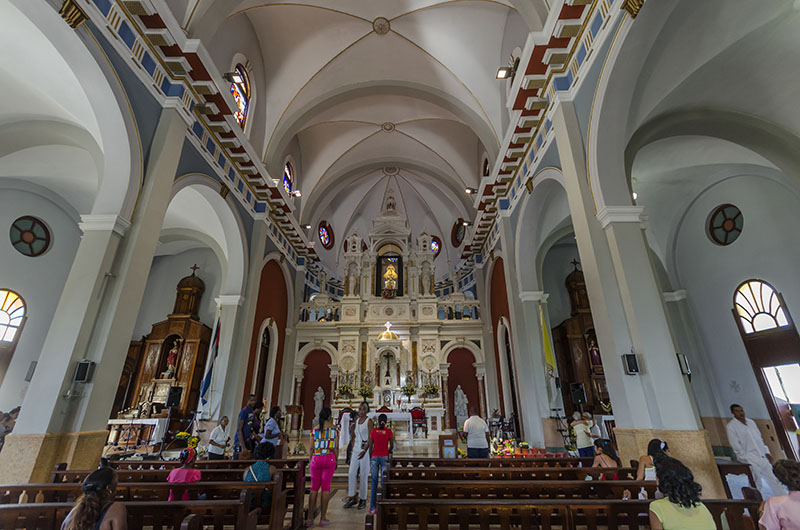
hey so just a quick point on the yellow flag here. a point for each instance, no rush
(549, 358)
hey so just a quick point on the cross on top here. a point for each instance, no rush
(388, 327)
(575, 263)
(194, 268)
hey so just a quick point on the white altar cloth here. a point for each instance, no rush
(391, 416)
(159, 427)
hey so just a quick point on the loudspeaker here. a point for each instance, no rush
(577, 393)
(631, 363)
(174, 396)
(83, 371)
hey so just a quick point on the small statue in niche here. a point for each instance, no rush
(172, 361)
(368, 378)
(594, 355)
(390, 203)
(426, 279)
(352, 281)
(390, 278)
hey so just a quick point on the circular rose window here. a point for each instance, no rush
(725, 224)
(29, 236)
(325, 235)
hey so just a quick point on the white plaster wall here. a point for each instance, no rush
(555, 269)
(38, 280)
(165, 273)
(768, 249)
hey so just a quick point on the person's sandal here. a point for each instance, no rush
(309, 523)
(324, 522)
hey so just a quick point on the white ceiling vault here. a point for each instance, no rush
(354, 89)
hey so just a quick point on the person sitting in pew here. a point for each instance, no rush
(261, 471)
(606, 456)
(95, 509)
(681, 508)
(647, 463)
(783, 512)
(184, 474)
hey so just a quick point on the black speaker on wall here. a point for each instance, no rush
(577, 393)
(174, 396)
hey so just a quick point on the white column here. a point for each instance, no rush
(228, 310)
(627, 309)
(100, 302)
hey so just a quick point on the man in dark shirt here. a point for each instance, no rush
(243, 428)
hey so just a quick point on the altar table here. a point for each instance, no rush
(148, 430)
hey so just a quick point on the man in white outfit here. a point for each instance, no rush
(745, 438)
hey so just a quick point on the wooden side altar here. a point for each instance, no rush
(172, 354)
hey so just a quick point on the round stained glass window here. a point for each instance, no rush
(29, 236)
(325, 232)
(435, 247)
(457, 233)
(725, 224)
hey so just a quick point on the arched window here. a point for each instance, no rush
(240, 90)
(12, 316)
(288, 177)
(759, 307)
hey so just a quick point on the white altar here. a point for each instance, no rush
(391, 416)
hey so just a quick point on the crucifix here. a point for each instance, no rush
(194, 268)
(575, 263)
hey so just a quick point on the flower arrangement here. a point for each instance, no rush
(365, 391)
(462, 453)
(346, 391)
(409, 389)
(191, 441)
(430, 390)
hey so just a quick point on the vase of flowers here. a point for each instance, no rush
(345, 391)
(365, 392)
(409, 389)
(430, 390)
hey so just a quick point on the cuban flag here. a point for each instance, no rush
(207, 379)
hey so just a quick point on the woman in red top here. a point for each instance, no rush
(381, 444)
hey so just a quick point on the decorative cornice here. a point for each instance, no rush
(72, 14)
(533, 296)
(228, 299)
(632, 7)
(106, 222)
(675, 296)
(620, 214)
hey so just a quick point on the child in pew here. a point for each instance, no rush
(96, 509)
(184, 474)
(261, 471)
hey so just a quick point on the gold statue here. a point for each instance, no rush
(390, 278)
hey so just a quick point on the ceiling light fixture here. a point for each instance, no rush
(232, 77)
(467, 223)
(470, 191)
(295, 193)
(504, 72)
(306, 227)
(635, 195)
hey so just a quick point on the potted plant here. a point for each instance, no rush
(524, 448)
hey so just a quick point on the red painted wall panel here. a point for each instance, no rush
(499, 305)
(461, 372)
(317, 374)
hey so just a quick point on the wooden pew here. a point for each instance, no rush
(507, 473)
(294, 477)
(159, 492)
(282, 463)
(515, 489)
(489, 462)
(537, 514)
(158, 515)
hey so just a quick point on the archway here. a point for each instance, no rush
(461, 372)
(317, 374)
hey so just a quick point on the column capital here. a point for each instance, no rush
(675, 296)
(533, 296)
(480, 370)
(443, 367)
(298, 371)
(228, 299)
(620, 214)
(107, 222)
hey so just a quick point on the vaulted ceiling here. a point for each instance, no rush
(353, 90)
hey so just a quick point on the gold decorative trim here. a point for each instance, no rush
(632, 7)
(224, 190)
(72, 13)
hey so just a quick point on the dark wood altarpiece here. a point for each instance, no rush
(577, 352)
(172, 354)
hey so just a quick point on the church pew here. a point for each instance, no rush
(515, 489)
(293, 471)
(152, 492)
(507, 473)
(281, 463)
(216, 515)
(545, 514)
(529, 461)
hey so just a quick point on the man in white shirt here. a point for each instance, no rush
(746, 441)
(477, 435)
(218, 440)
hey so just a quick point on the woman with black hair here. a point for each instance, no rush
(782, 512)
(606, 456)
(381, 445)
(647, 463)
(325, 444)
(272, 429)
(681, 508)
(261, 471)
(95, 509)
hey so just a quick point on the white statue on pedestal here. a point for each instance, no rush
(426, 279)
(319, 397)
(460, 406)
(352, 280)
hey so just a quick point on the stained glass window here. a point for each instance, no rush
(240, 90)
(12, 315)
(288, 177)
(436, 246)
(759, 307)
(325, 234)
(725, 224)
(457, 233)
(29, 236)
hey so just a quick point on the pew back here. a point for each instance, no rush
(507, 473)
(490, 462)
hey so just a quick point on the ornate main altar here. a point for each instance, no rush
(389, 337)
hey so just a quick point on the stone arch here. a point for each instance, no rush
(262, 384)
(468, 345)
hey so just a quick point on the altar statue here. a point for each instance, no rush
(426, 279)
(460, 408)
(594, 354)
(172, 361)
(319, 397)
(390, 203)
(390, 278)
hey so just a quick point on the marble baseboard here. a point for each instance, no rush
(30, 458)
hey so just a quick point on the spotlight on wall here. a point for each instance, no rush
(635, 195)
(232, 77)
(306, 227)
(504, 72)
(470, 191)
(467, 223)
(295, 193)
